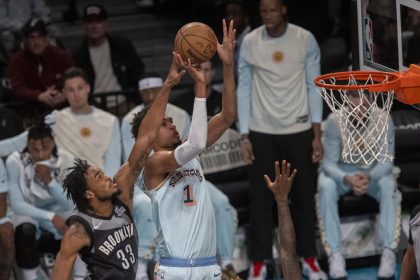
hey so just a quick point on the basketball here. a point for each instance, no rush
(196, 41)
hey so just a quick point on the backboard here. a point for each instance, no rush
(388, 34)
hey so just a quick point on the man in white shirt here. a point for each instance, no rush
(111, 62)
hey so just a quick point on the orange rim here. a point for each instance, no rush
(377, 77)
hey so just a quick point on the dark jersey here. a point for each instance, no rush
(113, 250)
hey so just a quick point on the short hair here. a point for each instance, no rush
(75, 184)
(239, 3)
(137, 120)
(39, 132)
(74, 72)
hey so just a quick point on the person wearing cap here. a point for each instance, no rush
(148, 90)
(35, 72)
(83, 130)
(111, 62)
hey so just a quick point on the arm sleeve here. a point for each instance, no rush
(386, 167)
(3, 178)
(244, 90)
(17, 202)
(187, 125)
(197, 138)
(56, 191)
(126, 138)
(16, 143)
(112, 159)
(332, 152)
(313, 70)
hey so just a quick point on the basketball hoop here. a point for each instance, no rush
(361, 101)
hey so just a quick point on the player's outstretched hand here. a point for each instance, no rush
(175, 73)
(194, 71)
(283, 181)
(226, 48)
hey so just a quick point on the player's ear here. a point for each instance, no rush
(89, 194)
(283, 10)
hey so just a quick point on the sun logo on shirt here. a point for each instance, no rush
(85, 132)
(278, 56)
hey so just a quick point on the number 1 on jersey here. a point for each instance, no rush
(188, 196)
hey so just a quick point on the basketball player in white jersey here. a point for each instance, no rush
(174, 180)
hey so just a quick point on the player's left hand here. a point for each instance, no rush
(43, 172)
(317, 150)
(225, 50)
(58, 98)
(283, 181)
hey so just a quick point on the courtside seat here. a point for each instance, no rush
(407, 155)
(352, 205)
(237, 191)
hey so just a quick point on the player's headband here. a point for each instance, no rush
(153, 82)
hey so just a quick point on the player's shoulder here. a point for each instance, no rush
(254, 33)
(77, 235)
(415, 212)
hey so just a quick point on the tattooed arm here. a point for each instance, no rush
(281, 188)
(74, 239)
(148, 131)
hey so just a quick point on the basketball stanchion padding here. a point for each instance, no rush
(361, 101)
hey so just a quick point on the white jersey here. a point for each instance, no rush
(183, 214)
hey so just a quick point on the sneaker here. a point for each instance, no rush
(337, 266)
(311, 269)
(388, 264)
(229, 273)
(258, 271)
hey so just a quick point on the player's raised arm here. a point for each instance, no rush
(74, 239)
(165, 161)
(280, 189)
(223, 120)
(147, 133)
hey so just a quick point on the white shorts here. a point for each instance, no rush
(207, 272)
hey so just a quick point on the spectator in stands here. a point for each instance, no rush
(279, 114)
(185, 100)
(111, 62)
(235, 10)
(412, 255)
(225, 214)
(6, 229)
(35, 72)
(83, 130)
(338, 178)
(36, 198)
(149, 87)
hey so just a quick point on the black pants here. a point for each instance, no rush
(28, 248)
(296, 149)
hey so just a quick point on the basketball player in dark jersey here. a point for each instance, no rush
(101, 230)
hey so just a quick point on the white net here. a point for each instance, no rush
(362, 118)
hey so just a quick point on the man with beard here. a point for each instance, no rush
(102, 229)
(338, 178)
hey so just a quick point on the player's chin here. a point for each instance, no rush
(116, 193)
